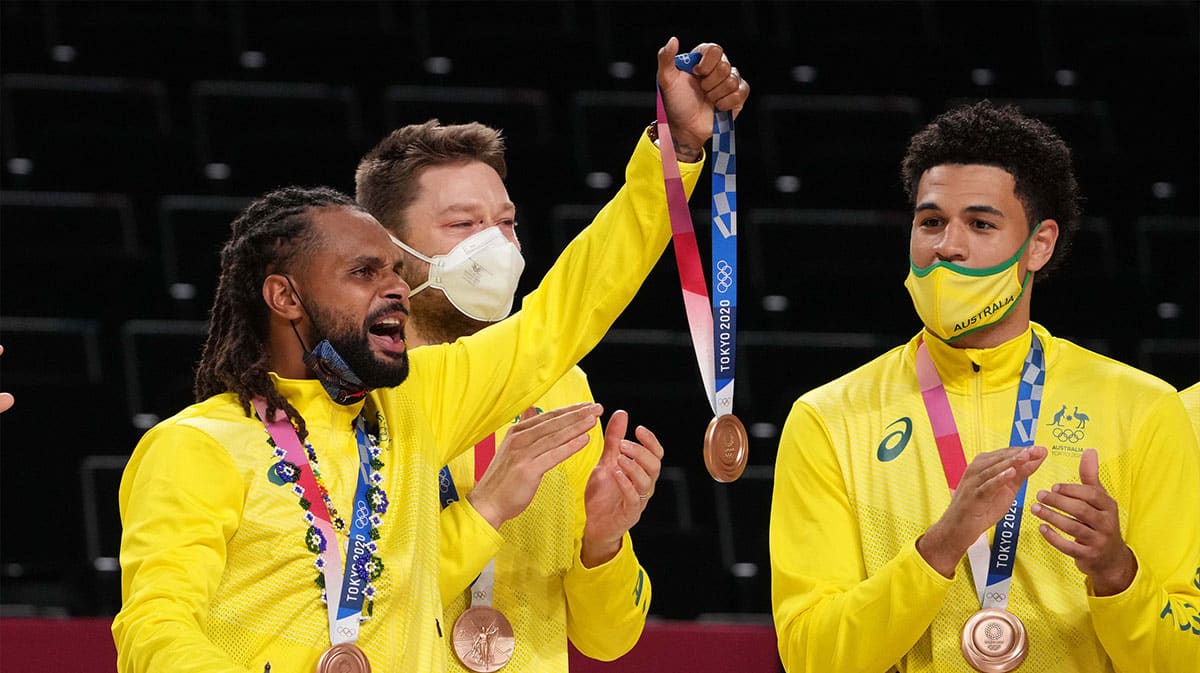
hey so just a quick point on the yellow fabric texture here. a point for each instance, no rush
(540, 584)
(852, 495)
(215, 573)
(1191, 401)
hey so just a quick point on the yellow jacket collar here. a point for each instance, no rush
(996, 368)
(313, 403)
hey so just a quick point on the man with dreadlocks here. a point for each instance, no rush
(288, 521)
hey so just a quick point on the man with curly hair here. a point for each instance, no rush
(901, 536)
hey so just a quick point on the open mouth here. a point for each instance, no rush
(388, 333)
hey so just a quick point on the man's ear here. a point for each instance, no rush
(281, 298)
(1041, 246)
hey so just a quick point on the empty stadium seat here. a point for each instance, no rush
(192, 229)
(255, 136)
(86, 133)
(73, 254)
(827, 270)
(743, 513)
(160, 362)
(836, 151)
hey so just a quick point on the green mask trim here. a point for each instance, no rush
(986, 271)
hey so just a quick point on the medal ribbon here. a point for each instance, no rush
(713, 325)
(991, 585)
(345, 609)
(485, 451)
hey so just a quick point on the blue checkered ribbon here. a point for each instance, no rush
(1025, 416)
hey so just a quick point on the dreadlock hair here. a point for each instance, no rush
(386, 179)
(267, 237)
(1026, 148)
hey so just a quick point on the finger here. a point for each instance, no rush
(6, 402)
(614, 434)
(1064, 523)
(1095, 496)
(1028, 462)
(666, 62)
(993, 458)
(650, 441)
(736, 100)
(1076, 507)
(711, 56)
(1068, 547)
(643, 457)
(638, 474)
(1, 350)
(556, 416)
(987, 466)
(630, 497)
(721, 75)
(1009, 474)
(995, 463)
(1089, 467)
(537, 419)
(557, 453)
(545, 437)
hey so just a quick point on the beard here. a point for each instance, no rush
(355, 348)
(439, 321)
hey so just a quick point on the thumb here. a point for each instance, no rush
(614, 434)
(1089, 467)
(666, 61)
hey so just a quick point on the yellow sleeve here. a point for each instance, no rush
(480, 381)
(468, 543)
(829, 616)
(1191, 403)
(606, 605)
(1154, 625)
(181, 501)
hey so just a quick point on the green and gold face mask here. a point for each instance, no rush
(954, 300)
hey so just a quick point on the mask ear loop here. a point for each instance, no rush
(304, 308)
(428, 260)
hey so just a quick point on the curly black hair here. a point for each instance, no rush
(1026, 148)
(267, 237)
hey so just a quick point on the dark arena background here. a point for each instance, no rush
(133, 132)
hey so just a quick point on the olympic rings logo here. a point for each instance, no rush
(724, 276)
(345, 632)
(1068, 435)
(995, 596)
(361, 514)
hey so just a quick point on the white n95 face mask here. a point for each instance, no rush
(479, 275)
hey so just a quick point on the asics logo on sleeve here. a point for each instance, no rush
(894, 442)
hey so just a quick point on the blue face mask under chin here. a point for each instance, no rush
(342, 384)
(330, 368)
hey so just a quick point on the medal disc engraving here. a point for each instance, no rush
(994, 641)
(483, 639)
(344, 658)
(726, 447)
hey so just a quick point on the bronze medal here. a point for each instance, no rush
(344, 658)
(726, 447)
(483, 639)
(994, 641)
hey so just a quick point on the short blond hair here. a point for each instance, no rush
(386, 181)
